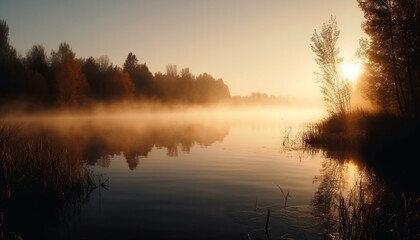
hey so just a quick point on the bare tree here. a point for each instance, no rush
(171, 70)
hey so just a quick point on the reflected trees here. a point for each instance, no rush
(96, 141)
(44, 166)
(353, 202)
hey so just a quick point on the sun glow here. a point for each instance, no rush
(351, 70)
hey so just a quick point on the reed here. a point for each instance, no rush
(358, 213)
(41, 177)
(285, 196)
(368, 211)
(339, 131)
(39, 161)
(385, 142)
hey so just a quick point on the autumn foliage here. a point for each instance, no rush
(63, 80)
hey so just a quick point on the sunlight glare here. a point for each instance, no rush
(351, 70)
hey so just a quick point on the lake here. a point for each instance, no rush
(177, 175)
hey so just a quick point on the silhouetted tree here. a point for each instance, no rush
(64, 52)
(171, 77)
(377, 82)
(187, 86)
(122, 86)
(36, 59)
(103, 62)
(96, 78)
(64, 80)
(37, 83)
(7, 52)
(130, 62)
(392, 53)
(335, 88)
(70, 82)
(210, 89)
(139, 74)
(171, 70)
(8, 62)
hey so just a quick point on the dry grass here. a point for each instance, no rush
(381, 137)
(385, 145)
(358, 212)
(37, 161)
(369, 209)
(42, 167)
(338, 131)
(42, 178)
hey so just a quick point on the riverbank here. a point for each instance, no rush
(364, 131)
(387, 146)
(385, 142)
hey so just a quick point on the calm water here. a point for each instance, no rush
(190, 175)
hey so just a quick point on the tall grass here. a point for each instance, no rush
(361, 130)
(371, 214)
(368, 208)
(39, 161)
(42, 182)
(359, 211)
(339, 131)
(384, 142)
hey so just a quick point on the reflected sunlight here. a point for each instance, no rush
(352, 172)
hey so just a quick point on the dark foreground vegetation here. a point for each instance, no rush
(367, 205)
(370, 133)
(384, 143)
(45, 172)
(41, 184)
(391, 82)
(383, 200)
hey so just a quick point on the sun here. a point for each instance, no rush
(351, 70)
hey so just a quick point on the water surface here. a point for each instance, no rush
(188, 175)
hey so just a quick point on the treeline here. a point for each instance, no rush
(391, 54)
(257, 98)
(262, 99)
(61, 79)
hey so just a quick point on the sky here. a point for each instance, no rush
(254, 46)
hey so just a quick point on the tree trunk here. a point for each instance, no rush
(401, 105)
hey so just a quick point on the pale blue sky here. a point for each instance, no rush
(252, 45)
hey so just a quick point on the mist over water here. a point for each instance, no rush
(90, 149)
(187, 174)
(136, 134)
(184, 173)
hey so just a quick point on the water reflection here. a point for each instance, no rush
(44, 173)
(56, 171)
(42, 184)
(135, 142)
(97, 141)
(354, 202)
(346, 197)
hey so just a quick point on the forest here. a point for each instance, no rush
(38, 81)
(382, 138)
(390, 83)
(188, 175)
(390, 55)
